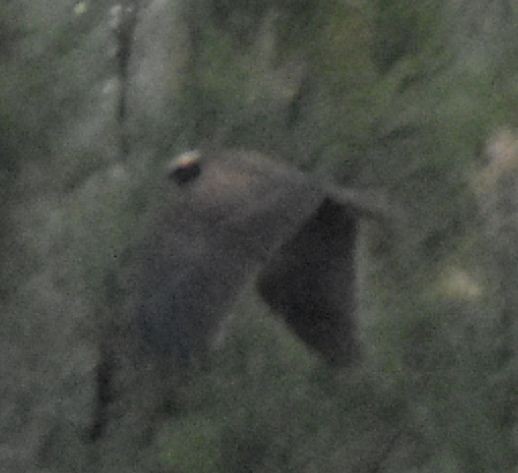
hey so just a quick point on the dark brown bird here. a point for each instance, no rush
(227, 216)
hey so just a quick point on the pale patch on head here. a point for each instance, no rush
(184, 160)
(188, 158)
(220, 180)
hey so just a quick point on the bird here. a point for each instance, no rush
(230, 215)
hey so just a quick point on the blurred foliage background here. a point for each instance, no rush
(416, 99)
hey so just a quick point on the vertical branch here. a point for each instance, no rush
(123, 23)
(104, 394)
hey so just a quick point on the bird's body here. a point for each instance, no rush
(226, 216)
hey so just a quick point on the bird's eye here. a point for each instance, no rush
(186, 168)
